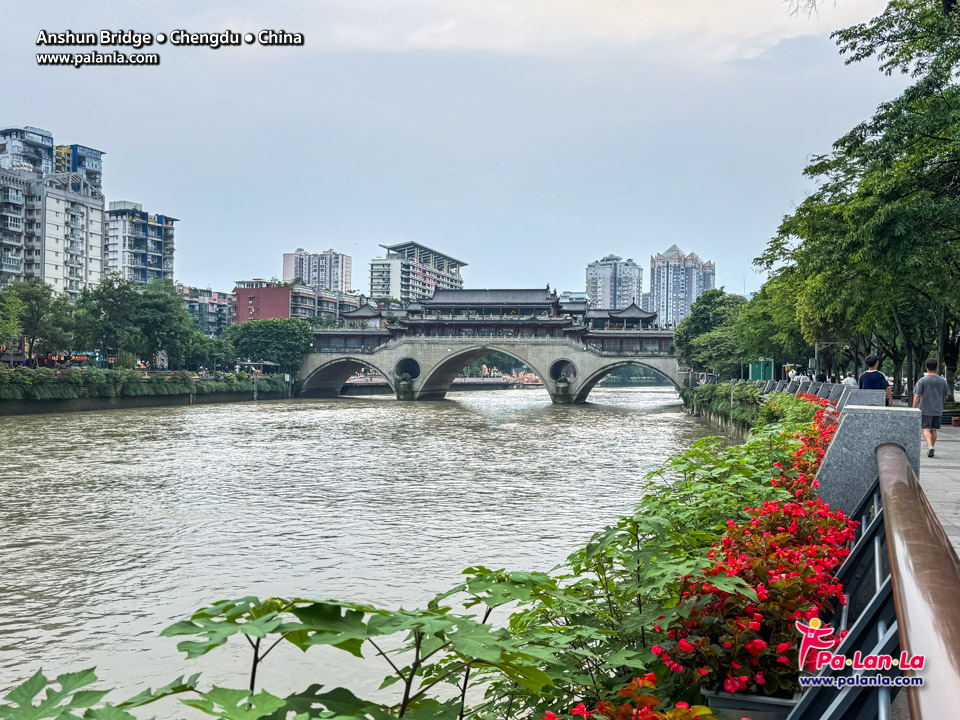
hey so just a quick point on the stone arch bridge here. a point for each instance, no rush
(423, 368)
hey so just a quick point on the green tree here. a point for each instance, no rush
(11, 308)
(165, 322)
(713, 310)
(281, 341)
(45, 321)
(106, 317)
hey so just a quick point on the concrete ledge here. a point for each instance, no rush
(856, 396)
(836, 392)
(850, 465)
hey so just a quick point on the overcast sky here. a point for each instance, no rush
(525, 137)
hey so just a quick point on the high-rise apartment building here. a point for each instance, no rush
(676, 280)
(613, 283)
(411, 272)
(13, 192)
(63, 233)
(328, 270)
(51, 211)
(138, 246)
(28, 149)
(80, 159)
(210, 308)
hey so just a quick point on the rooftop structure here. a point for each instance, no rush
(411, 272)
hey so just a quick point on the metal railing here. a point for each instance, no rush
(902, 579)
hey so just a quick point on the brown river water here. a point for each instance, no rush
(114, 524)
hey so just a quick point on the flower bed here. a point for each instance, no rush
(786, 554)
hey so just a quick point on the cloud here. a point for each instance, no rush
(680, 30)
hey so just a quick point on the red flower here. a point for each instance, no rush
(581, 709)
(656, 650)
(783, 647)
(685, 646)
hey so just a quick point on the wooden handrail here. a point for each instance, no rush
(925, 573)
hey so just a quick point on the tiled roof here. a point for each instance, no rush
(538, 296)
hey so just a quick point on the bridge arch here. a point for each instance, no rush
(328, 378)
(582, 390)
(437, 379)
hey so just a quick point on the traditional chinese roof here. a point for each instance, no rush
(364, 311)
(538, 296)
(633, 311)
(574, 306)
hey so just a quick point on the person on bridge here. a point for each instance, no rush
(873, 379)
(929, 393)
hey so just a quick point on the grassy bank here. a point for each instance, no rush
(46, 384)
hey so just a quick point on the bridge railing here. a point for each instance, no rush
(902, 578)
(490, 340)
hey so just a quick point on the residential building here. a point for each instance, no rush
(27, 149)
(614, 283)
(63, 233)
(646, 301)
(260, 299)
(676, 280)
(577, 297)
(411, 272)
(85, 161)
(210, 308)
(328, 270)
(138, 246)
(13, 192)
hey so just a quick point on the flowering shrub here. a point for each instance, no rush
(638, 704)
(787, 553)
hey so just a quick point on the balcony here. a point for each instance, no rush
(72, 262)
(77, 248)
(10, 223)
(11, 241)
(11, 196)
(11, 209)
(11, 264)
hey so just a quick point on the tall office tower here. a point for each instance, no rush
(83, 160)
(26, 149)
(328, 270)
(63, 233)
(138, 246)
(13, 192)
(410, 272)
(676, 280)
(613, 283)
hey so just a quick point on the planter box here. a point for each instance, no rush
(736, 706)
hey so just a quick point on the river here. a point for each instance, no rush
(116, 523)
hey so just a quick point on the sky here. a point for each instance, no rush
(524, 137)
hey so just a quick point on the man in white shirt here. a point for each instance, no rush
(850, 380)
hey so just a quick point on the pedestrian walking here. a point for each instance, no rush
(850, 380)
(873, 379)
(928, 394)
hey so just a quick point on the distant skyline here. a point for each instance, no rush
(525, 137)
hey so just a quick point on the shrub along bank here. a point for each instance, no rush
(45, 384)
(697, 588)
(747, 410)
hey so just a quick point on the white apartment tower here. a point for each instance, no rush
(411, 272)
(328, 270)
(63, 233)
(613, 283)
(139, 246)
(676, 280)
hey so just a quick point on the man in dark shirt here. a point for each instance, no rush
(873, 379)
(928, 394)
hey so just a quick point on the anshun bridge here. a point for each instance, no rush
(421, 349)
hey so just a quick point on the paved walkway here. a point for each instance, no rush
(940, 479)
